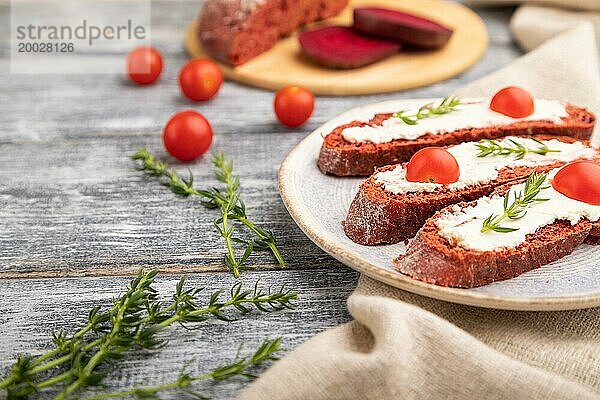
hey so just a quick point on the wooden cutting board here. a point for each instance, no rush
(285, 65)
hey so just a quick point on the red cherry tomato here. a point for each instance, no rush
(200, 79)
(514, 102)
(187, 135)
(432, 164)
(293, 105)
(144, 65)
(579, 180)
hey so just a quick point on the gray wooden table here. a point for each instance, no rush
(76, 218)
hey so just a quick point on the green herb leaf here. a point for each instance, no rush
(493, 148)
(133, 322)
(228, 201)
(447, 105)
(517, 209)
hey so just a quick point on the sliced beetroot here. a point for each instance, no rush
(409, 29)
(343, 47)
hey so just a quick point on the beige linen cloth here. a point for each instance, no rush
(404, 346)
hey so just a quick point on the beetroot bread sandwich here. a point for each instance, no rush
(356, 148)
(517, 229)
(390, 208)
(235, 31)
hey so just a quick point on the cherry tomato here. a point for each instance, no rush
(187, 135)
(514, 102)
(432, 164)
(200, 79)
(144, 65)
(293, 105)
(579, 180)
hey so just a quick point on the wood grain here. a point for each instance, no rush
(405, 70)
(31, 309)
(71, 203)
(81, 212)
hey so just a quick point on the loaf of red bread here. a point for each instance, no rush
(235, 31)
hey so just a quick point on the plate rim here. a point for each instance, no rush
(453, 295)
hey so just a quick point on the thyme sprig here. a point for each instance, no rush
(493, 148)
(228, 201)
(241, 366)
(447, 105)
(517, 209)
(133, 322)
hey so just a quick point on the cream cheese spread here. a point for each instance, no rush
(462, 226)
(480, 170)
(472, 114)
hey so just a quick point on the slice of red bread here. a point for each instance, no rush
(235, 31)
(342, 158)
(377, 216)
(430, 258)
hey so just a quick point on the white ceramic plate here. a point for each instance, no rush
(318, 203)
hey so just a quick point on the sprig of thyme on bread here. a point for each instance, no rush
(447, 105)
(79, 361)
(517, 208)
(493, 148)
(227, 200)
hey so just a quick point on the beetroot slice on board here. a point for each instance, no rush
(342, 47)
(409, 29)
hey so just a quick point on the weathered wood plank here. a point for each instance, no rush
(31, 309)
(80, 207)
(71, 203)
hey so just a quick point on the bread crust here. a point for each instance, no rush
(430, 257)
(377, 217)
(342, 158)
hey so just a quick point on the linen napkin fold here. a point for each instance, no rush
(533, 25)
(405, 346)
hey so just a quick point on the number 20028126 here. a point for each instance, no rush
(45, 48)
